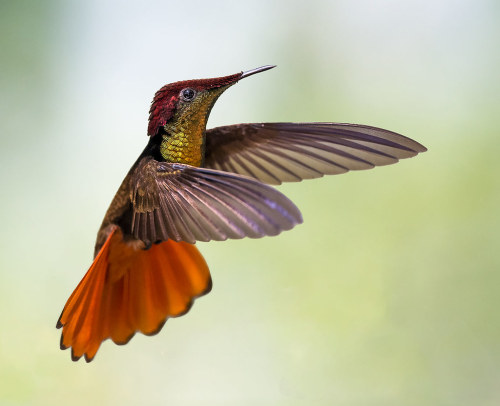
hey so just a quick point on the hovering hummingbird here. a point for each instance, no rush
(191, 184)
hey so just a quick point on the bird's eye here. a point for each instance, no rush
(188, 94)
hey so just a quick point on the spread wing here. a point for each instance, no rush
(186, 203)
(290, 152)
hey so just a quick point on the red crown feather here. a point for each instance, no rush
(165, 100)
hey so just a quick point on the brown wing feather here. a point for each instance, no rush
(289, 152)
(186, 203)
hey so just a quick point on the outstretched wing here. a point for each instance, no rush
(290, 152)
(186, 203)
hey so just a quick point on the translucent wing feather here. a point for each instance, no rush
(289, 152)
(186, 203)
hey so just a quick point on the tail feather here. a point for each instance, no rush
(128, 289)
(120, 327)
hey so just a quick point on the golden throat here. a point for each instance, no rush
(183, 145)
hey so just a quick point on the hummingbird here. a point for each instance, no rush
(192, 184)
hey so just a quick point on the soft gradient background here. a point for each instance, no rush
(388, 294)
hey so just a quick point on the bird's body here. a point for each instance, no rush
(192, 185)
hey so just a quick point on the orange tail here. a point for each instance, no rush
(128, 289)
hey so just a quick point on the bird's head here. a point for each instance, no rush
(188, 103)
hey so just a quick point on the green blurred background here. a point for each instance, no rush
(388, 294)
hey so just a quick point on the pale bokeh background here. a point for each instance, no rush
(388, 294)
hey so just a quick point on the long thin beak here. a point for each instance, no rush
(256, 70)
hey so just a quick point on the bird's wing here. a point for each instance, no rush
(186, 203)
(290, 152)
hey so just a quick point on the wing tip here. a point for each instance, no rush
(421, 149)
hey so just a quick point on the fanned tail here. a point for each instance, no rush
(129, 289)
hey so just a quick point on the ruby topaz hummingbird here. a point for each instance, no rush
(192, 184)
